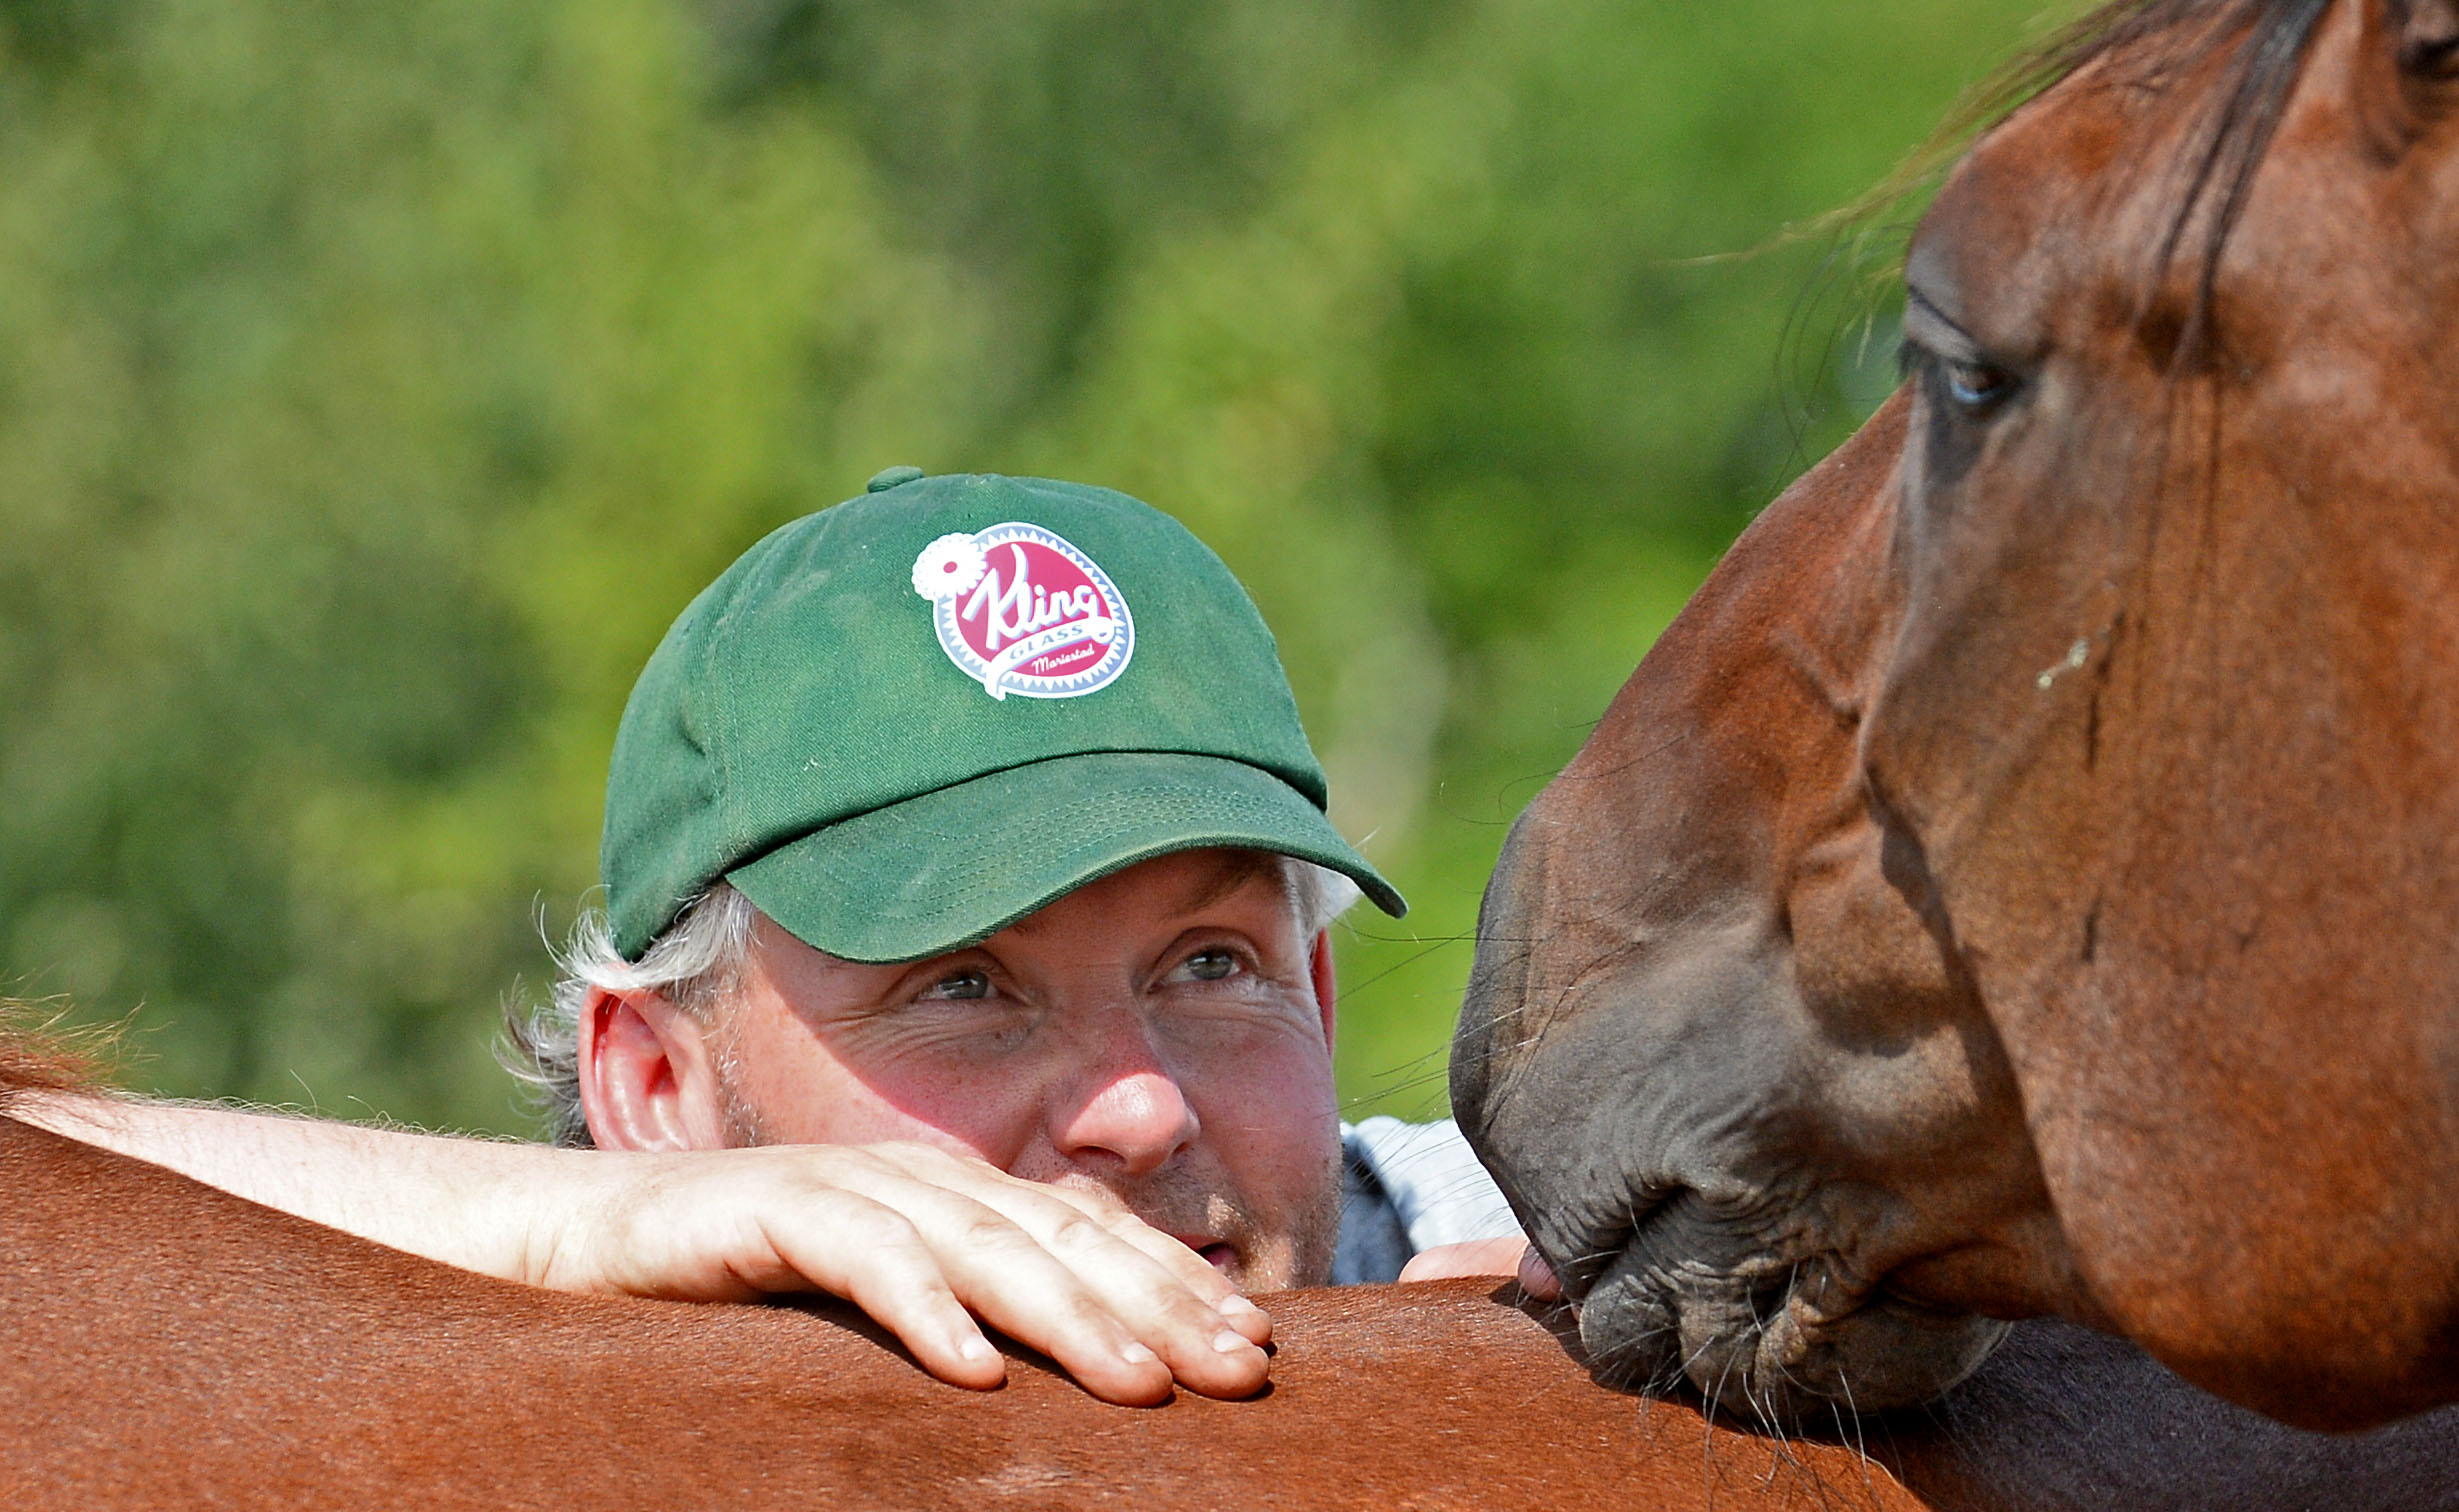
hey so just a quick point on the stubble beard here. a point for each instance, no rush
(744, 1128)
(1274, 1251)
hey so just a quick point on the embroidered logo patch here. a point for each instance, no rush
(1019, 610)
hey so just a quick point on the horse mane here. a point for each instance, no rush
(39, 1054)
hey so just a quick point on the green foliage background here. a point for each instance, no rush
(377, 381)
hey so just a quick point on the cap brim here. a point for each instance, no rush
(938, 872)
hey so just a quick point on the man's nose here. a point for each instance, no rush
(1127, 1114)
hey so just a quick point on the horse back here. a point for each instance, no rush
(165, 1343)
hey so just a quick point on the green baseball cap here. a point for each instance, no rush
(900, 725)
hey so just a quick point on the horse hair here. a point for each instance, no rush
(38, 1055)
(2269, 39)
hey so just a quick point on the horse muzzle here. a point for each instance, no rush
(1782, 1339)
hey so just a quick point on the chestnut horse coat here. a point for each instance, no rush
(166, 1344)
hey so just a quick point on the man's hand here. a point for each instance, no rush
(924, 1242)
(915, 1237)
(1514, 1257)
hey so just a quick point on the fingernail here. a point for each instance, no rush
(976, 1348)
(1235, 1306)
(1137, 1354)
(1229, 1341)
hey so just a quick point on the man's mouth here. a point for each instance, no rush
(1222, 1257)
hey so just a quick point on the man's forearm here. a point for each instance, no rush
(916, 1236)
(470, 1203)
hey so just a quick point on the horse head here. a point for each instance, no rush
(2026, 879)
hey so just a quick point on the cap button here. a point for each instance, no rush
(891, 477)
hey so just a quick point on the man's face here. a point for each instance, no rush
(1159, 1034)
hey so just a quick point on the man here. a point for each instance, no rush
(964, 850)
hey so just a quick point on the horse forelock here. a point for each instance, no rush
(2258, 47)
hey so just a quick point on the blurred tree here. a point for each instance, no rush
(376, 384)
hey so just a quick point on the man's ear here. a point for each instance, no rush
(1327, 982)
(648, 1075)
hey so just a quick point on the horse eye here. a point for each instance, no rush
(1975, 386)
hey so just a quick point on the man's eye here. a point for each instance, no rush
(1211, 965)
(959, 987)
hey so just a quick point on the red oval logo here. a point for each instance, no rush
(1021, 610)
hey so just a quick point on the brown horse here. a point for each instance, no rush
(164, 1344)
(2027, 877)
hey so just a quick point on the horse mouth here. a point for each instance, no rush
(1782, 1339)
